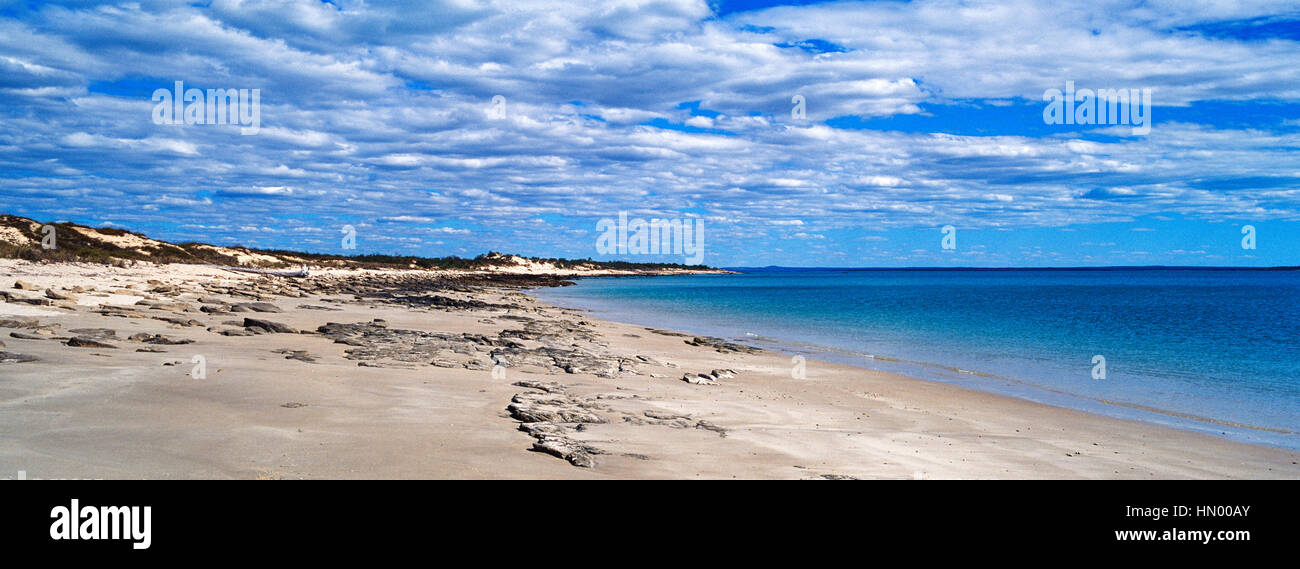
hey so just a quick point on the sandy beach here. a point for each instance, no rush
(421, 374)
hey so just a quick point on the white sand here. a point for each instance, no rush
(118, 413)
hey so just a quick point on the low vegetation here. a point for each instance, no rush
(73, 245)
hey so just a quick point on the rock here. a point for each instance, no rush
(12, 358)
(293, 405)
(300, 355)
(24, 285)
(663, 415)
(543, 428)
(531, 408)
(87, 342)
(24, 336)
(577, 454)
(478, 365)
(157, 339)
(186, 322)
(316, 307)
(711, 427)
(268, 326)
(151, 350)
(445, 363)
(699, 379)
(23, 323)
(547, 386)
(101, 333)
(722, 346)
(50, 293)
(255, 307)
(236, 332)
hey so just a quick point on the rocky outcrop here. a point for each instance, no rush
(87, 342)
(549, 417)
(722, 346)
(12, 358)
(267, 326)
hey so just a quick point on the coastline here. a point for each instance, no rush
(348, 402)
(795, 330)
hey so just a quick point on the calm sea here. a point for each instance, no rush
(1216, 351)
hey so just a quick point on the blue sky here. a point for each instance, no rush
(918, 115)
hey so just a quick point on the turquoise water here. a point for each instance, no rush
(1211, 350)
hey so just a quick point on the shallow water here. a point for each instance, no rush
(1212, 350)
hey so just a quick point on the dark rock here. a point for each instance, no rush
(186, 322)
(87, 342)
(101, 333)
(268, 326)
(255, 307)
(722, 346)
(12, 358)
(157, 339)
(315, 307)
(300, 355)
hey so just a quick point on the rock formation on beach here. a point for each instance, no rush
(241, 306)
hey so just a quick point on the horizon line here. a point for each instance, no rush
(1065, 268)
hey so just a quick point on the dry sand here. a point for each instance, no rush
(119, 413)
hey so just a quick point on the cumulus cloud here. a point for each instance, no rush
(386, 116)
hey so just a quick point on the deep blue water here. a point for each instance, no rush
(1192, 348)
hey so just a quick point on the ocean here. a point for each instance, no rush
(1212, 350)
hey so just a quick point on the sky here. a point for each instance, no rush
(451, 127)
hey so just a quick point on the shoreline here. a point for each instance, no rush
(470, 379)
(950, 374)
